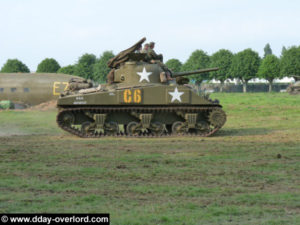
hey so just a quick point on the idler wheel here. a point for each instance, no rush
(111, 128)
(179, 127)
(157, 128)
(133, 129)
(217, 118)
(68, 119)
(87, 128)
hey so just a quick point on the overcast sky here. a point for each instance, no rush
(32, 30)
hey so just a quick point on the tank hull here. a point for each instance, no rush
(149, 110)
(294, 89)
(137, 95)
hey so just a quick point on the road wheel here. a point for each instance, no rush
(157, 128)
(111, 128)
(133, 129)
(179, 127)
(87, 128)
(202, 128)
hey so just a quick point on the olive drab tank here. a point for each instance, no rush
(294, 89)
(141, 98)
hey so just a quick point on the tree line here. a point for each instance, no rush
(244, 65)
(88, 66)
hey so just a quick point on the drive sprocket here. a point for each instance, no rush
(217, 117)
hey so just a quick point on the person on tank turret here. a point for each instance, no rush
(152, 54)
(146, 48)
(152, 57)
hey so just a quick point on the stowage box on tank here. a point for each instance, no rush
(142, 98)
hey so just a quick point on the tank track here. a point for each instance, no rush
(147, 109)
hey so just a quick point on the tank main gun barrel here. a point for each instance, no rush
(180, 74)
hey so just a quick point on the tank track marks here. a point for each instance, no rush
(170, 109)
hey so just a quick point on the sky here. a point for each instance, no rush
(32, 30)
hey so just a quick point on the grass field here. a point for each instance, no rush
(248, 173)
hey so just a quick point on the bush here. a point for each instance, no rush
(14, 66)
(70, 69)
(48, 66)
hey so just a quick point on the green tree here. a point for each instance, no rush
(84, 66)
(221, 59)
(174, 65)
(48, 65)
(267, 50)
(198, 60)
(244, 66)
(269, 69)
(290, 62)
(67, 69)
(283, 50)
(14, 66)
(101, 69)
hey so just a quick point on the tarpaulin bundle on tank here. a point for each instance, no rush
(124, 55)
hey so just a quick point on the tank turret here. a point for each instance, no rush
(143, 72)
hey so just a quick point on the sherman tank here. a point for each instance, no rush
(141, 98)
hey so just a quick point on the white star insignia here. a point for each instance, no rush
(144, 75)
(176, 95)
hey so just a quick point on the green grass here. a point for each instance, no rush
(248, 173)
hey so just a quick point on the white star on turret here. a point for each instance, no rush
(144, 75)
(176, 95)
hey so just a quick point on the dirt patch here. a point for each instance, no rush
(45, 106)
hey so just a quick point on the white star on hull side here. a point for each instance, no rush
(176, 95)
